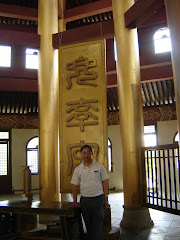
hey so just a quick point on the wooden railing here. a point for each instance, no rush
(161, 178)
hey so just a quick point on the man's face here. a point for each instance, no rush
(86, 154)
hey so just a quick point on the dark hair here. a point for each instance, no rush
(86, 146)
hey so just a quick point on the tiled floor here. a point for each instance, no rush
(166, 225)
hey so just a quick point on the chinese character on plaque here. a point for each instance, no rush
(81, 113)
(74, 157)
(81, 72)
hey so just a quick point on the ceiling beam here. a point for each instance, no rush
(103, 30)
(111, 80)
(18, 28)
(156, 72)
(158, 18)
(13, 11)
(149, 73)
(31, 85)
(87, 10)
(141, 11)
(155, 65)
(18, 84)
(20, 38)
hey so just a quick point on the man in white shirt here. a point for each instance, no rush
(93, 180)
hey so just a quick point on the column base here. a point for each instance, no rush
(136, 218)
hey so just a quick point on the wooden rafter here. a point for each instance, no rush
(149, 73)
(136, 16)
(18, 84)
(87, 10)
(141, 11)
(94, 31)
(14, 11)
(83, 11)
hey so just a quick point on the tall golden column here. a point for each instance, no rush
(48, 102)
(131, 117)
(173, 20)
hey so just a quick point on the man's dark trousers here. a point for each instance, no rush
(93, 214)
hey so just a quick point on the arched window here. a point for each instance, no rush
(162, 41)
(176, 138)
(32, 155)
(110, 155)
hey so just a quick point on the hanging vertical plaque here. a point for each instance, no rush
(83, 106)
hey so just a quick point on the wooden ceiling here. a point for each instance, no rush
(87, 20)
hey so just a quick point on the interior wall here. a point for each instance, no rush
(20, 137)
(166, 131)
(116, 177)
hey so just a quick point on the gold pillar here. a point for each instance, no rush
(48, 102)
(131, 117)
(173, 20)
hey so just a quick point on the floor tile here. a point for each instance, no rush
(152, 237)
(176, 217)
(174, 232)
(172, 238)
(115, 220)
(159, 230)
(175, 224)
(164, 223)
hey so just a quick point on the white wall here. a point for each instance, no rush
(116, 177)
(166, 131)
(20, 137)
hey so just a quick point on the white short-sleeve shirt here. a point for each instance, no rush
(90, 179)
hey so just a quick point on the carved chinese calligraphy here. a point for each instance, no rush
(81, 113)
(81, 65)
(74, 158)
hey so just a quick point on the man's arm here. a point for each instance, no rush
(75, 193)
(105, 184)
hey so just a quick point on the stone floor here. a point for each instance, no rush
(166, 225)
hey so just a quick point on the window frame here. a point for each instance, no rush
(8, 142)
(174, 142)
(161, 39)
(27, 54)
(115, 50)
(37, 155)
(110, 166)
(3, 45)
(155, 125)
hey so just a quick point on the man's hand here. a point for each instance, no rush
(75, 192)
(106, 191)
(74, 205)
(106, 204)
